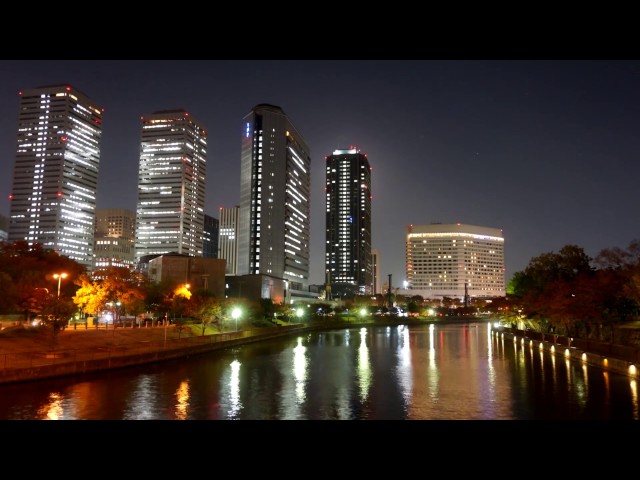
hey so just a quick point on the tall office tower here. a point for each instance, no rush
(443, 260)
(4, 228)
(171, 185)
(275, 177)
(348, 227)
(227, 238)
(55, 177)
(210, 240)
(375, 268)
(114, 244)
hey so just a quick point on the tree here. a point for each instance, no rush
(55, 313)
(115, 289)
(29, 270)
(207, 309)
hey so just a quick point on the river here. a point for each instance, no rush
(445, 372)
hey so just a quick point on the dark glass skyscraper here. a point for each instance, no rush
(275, 176)
(348, 261)
(210, 240)
(55, 177)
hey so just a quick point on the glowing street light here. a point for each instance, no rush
(299, 313)
(363, 312)
(235, 313)
(60, 276)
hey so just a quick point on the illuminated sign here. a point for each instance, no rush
(247, 131)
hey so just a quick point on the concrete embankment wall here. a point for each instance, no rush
(589, 358)
(64, 368)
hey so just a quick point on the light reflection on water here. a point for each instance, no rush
(182, 397)
(427, 372)
(364, 368)
(52, 410)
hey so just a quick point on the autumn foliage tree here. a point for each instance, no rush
(26, 276)
(114, 289)
(563, 292)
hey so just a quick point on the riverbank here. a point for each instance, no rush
(562, 347)
(29, 354)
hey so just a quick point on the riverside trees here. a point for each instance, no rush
(570, 293)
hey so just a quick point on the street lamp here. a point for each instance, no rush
(60, 276)
(235, 313)
(299, 314)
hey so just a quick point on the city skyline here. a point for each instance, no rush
(543, 150)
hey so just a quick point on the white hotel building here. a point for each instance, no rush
(443, 259)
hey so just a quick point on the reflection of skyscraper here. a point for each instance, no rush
(171, 184)
(228, 238)
(275, 180)
(55, 177)
(114, 238)
(443, 258)
(348, 227)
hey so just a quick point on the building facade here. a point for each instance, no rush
(171, 185)
(375, 268)
(114, 240)
(55, 177)
(274, 215)
(210, 240)
(199, 272)
(255, 288)
(4, 228)
(228, 238)
(442, 260)
(348, 259)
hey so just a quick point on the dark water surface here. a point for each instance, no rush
(444, 372)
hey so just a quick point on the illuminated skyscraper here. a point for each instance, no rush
(114, 238)
(443, 259)
(348, 227)
(171, 185)
(275, 180)
(55, 177)
(228, 238)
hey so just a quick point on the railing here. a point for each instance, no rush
(622, 352)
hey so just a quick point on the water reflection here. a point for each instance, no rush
(140, 402)
(634, 397)
(234, 390)
(423, 372)
(404, 370)
(182, 397)
(364, 368)
(52, 410)
(300, 370)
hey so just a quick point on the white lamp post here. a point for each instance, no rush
(59, 277)
(235, 313)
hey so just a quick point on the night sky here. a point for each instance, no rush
(545, 150)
